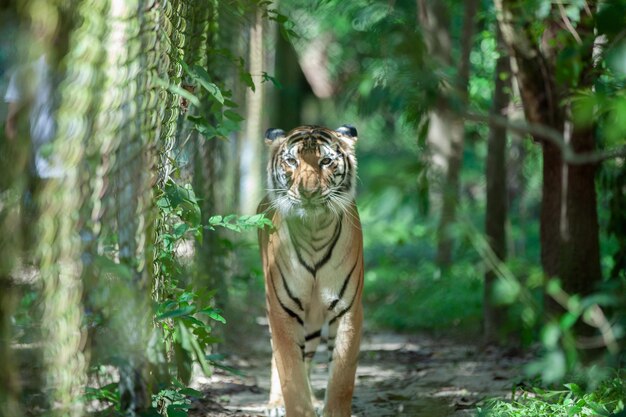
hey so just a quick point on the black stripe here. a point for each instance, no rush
(317, 239)
(287, 310)
(289, 293)
(275, 171)
(309, 355)
(324, 136)
(326, 223)
(299, 255)
(346, 184)
(343, 287)
(301, 244)
(322, 245)
(344, 311)
(348, 163)
(346, 169)
(317, 136)
(326, 257)
(345, 187)
(313, 335)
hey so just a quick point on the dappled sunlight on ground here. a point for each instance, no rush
(398, 375)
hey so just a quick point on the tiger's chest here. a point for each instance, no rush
(315, 261)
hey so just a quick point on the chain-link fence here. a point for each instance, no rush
(115, 70)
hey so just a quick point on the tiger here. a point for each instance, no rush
(313, 266)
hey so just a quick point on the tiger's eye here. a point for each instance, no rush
(291, 161)
(325, 161)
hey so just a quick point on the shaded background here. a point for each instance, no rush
(491, 182)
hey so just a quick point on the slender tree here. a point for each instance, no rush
(447, 130)
(10, 242)
(213, 164)
(250, 170)
(496, 175)
(288, 100)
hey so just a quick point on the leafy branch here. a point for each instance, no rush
(241, 223)
(551, 135)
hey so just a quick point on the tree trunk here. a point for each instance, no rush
(9, 379)
(496, 211)
(569, 226)
(252, 145)
(580, 256)
(13, 168)
(446, 133)
(288, 100)
(457, 139)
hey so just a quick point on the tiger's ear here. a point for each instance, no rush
(272, 134)
(348, 134)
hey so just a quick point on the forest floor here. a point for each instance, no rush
(398, 375)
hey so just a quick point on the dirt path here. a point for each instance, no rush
(398, 375)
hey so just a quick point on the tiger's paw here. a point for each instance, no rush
(275, 412)
(280, 412)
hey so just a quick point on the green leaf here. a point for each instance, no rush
(199, 354)
(190, 392)
(232, 116)
(204, 78)
(194, 321)
(184, 311)
(543, 9)
(175, 412)
(553, 287)
(506, 291)
(550, 335)
(233, 227)
(214, 314)
(273, 80)
(246, 78)
(575, 389)
(175, 89)
(199, 121)
(178, 404)
(370, 15)
(215, 220)
(568, 320)
(229, 218)
(227, 368)
(180, 229)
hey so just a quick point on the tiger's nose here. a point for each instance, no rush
(309, 193)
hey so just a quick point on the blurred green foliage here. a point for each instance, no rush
(387, 84)
(606, 400)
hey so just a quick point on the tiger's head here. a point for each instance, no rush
(311, 170)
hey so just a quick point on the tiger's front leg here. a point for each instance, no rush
(288, 356)
(343, 363)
